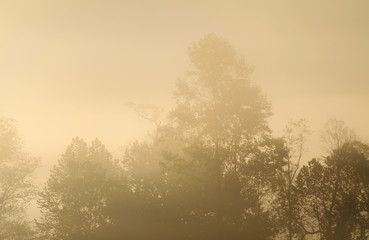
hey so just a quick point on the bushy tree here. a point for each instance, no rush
(73, 203)
(220, 122)
(16, 188)
(333, 194)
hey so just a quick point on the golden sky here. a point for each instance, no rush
(68, 66)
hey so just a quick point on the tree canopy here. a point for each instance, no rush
(74, 199)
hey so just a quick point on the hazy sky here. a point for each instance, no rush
(68, 67)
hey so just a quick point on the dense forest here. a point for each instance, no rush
(211, 169)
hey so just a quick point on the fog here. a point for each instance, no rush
(68, 68)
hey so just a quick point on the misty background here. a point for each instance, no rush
(81, 70)
(67, 68)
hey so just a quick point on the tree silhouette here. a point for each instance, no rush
(208, 172)
(220, 118)
(333, 194)
(74, 199)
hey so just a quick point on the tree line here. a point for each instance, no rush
(212, 169)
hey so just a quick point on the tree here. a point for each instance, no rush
(16, 188)
(73, 202)
(217, 107)
(335, 134)
(196, 178)
(216, 102)
(295, 136)
(262, 177)
(334, 194)
(139, 210)
(208, 173)
(158, 199)
(220, 118)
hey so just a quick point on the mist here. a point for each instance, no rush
(122, 82)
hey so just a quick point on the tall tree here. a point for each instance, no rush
(220, 118)
(217, 106)
(74, 200)
(208, 173)
(16, 188)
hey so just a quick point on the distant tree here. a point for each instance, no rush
(73, 203)
(216, 103)
(16, 188)
(210, 171)
(220, 121)
(335, 134)
(207, 172)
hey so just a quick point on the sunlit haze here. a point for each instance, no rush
(68, 68)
